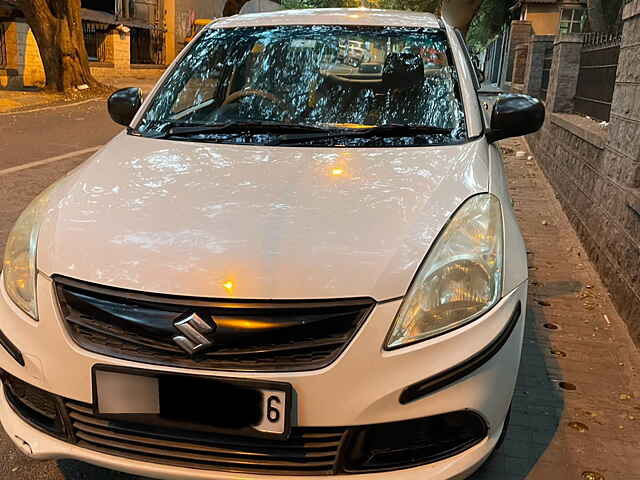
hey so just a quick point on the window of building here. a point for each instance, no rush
(573, 20)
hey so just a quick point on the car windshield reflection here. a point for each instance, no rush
(333, 78)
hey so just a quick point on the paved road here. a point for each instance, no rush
(32, 137)
(590, 350)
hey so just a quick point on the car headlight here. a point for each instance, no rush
(20, 256)
(461, 277)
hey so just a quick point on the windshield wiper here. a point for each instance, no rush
(240, 127)
(387, 130)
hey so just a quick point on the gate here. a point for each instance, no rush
(597, 78)
(147, 46)
(95, 35)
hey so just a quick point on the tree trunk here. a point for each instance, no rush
(460, 13)
(57, 28)
(232, 7)
(597, 18)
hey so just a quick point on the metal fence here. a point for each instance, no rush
(546, 71)
(95, 35)
(597, 78)
(147, 46)
(3, 46)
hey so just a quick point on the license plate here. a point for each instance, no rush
(274, 412)
(185, 401)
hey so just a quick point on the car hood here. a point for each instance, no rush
(225, 221)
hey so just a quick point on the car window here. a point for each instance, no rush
(320, 76)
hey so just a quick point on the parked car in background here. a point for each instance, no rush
(353, 53)
(281, 268)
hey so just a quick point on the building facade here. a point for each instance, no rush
(122, 38)
(551, 17)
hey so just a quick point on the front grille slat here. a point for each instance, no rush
(249, 335)
(308, 451)
(179, 462)
(99, 427)
(123, 444)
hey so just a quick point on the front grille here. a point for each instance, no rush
(308, 451)
(249, 335)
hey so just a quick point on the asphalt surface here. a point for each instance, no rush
(588, 431)
(32, 137)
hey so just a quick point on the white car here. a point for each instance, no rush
(277, 271)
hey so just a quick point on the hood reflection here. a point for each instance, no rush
(256, 222)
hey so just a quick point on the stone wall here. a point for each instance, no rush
(596, 171)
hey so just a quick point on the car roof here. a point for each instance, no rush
(332, 16)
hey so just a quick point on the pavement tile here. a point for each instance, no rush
(557, 433)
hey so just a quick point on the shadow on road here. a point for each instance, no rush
(74, 470)
(536, 409)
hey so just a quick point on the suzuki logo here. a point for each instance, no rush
(193, 329)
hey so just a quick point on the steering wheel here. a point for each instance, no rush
(235, 96)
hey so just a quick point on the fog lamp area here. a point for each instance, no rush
(411, 443)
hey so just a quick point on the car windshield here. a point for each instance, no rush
(312, 85)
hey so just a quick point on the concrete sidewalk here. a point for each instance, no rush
(19, 100)
(576, 413)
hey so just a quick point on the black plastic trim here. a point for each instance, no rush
(351, 443)
(217, 359)
(11, 349)
(212, 303)
(57, 427)
(421, 389)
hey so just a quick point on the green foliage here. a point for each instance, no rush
(415, 5)
(291, 4)
(489, 20)
(493, 14)
(612, 10)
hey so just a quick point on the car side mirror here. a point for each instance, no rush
(514, 115)
(480, 75)
(123, 104)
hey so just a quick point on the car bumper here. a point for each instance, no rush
(370, 380)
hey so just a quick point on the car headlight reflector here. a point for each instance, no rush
(19, 266)
(461, 277)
